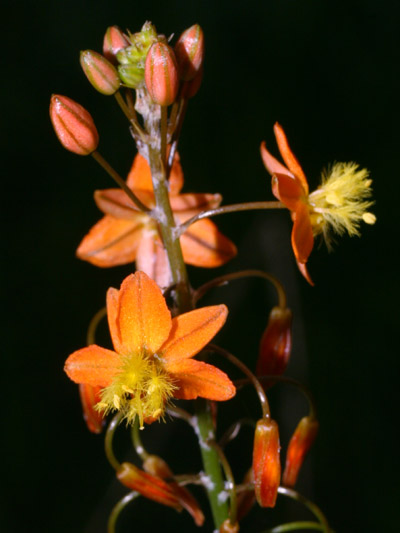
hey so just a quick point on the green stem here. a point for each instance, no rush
(130, 115)
(222, 280)
(294, 526)
(230, 479)
(248, 206)
(121, 182)
(123, 502)
(108, 442)
(137, 441)
(212, 467)
(294, 495)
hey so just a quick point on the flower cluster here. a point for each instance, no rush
(161, 340)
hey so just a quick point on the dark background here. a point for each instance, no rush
(329, 72)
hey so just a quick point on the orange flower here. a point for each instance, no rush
(126, 234)
(266, 462)
(340, 203)
(152, 361)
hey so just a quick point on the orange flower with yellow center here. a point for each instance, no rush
(126, 234)
(152, 358)
(339, 204)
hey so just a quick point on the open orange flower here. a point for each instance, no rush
(152, 361)
(125, 234)
(338, 204)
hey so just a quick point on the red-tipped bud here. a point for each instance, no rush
(190, 88)
(276, 343)
(90, 396)
(266, 463)
(189, 50)
(149, 486)
(228, 527)
(161, 74)
(299, 445)
(73, 125)
(114, 41)
(158, 467)
(100, 72)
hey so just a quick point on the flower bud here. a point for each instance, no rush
(90, 396)
(190, 88)
(100, 72)
(149, 486)
(161, 74)
(189, 50)
(276, 343)
(299, 445)
(114, 41)
(228, 527)
(266, 464)
(131, 75)
(73, 125)
(158, 467)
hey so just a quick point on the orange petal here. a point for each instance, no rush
(144, 319)
(288, 156)
(151, 258)
(90, 396)
(112, 315)
(303, 269)
(302, 234)
(139, 176)
(288, 190)
(111, 242)
(93, 365)
(115, 202)
(271, 164)
(188, 205)
(195, 378)
(175, 181)
(191, 331)
(203, 245)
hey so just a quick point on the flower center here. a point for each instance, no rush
(141, 388)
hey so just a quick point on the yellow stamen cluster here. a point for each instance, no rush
(141, 388)
(342, 201)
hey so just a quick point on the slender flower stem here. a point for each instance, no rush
(164, 126)
(121, 182)
(130, 115)
(123, 502)
(223, 280)
(137, 441)
(108, 442)
(249, 206)
(90, 336)
(177, 412)
(294, 526)
(230, 479)
(290, 381)
(176, 133)
(130, 101)
(294, 495)
(254, 381)
(232, 432)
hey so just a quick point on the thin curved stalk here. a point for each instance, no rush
(123, 502)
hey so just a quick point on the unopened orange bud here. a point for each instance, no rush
(100, 72)
(158, 467)
(276, 343)
(149, 486)
(299, 445)
(73, 125)
(266, 463)
(161, 74)
(114, 41)
(190, 88)
(90, 396)
(228, 527)
(189, 50)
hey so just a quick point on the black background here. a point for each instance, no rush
(329, 72)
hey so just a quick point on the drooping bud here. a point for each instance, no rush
(90, 396)
(161, 74)
(189, 50)
(190, 88)
(73, 125)
(299, 445)
(149, 486)
(158, 467)
(100, 72)
(266, 463)
(276, 343)
(114, 41)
